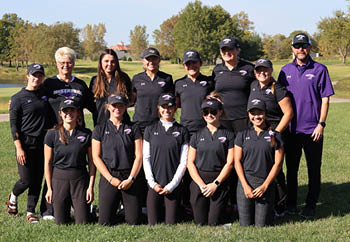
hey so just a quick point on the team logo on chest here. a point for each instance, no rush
(161, 83)
(176, 133)
(142, 84)
(267, 138)
(29, 100)
(310, 76)
(127, 131)
(185, 85)
(289, 76)
(243, 72)
(44, 98)
(268, 91)
(222, 139)
(203, 83)
(81, 138)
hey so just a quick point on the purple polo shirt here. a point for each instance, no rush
(308, 84)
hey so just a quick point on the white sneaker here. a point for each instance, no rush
(48, 217)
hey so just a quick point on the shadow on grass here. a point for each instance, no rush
(334, 202)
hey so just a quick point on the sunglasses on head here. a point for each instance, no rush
(298, 46)
(206, 111)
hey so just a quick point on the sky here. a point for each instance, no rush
(269, 16)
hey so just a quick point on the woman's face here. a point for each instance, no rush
(35, 80)
(167, 113)
(229, 55)
(65, 65)
(211, 115)
(116, 110)
(193, 67)
(257, 117)
(108, 64)
(263, 74)
(69, 115)
(151, 63)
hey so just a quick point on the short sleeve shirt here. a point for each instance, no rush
(212, 150)
(147, 94)
(258, 155)
(72, 155)
(117, 145)
(165, 147)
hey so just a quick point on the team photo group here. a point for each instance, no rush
(224, 156)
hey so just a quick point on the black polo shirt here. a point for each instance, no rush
(58, 90)
(192, 94)
(147, 94)
(165, 150)
(72, 155)
(117, 145)
(102, 113)
(212, 149)
(28, 113)
(271, 99)
(234, 88)
(258, 155)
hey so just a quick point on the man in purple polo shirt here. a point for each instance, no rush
(310, 88)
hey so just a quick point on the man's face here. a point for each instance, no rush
(301, 51)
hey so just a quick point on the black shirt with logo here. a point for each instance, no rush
(192, 94)
(165, 150)
(211, 149)
(117, 145)
(234, 88)
(147, 94)
(72, 155)
(258, 155)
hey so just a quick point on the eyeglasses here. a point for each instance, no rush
(65, 63)
(298, 46)
(211, 111)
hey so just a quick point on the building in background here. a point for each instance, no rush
(123, 51)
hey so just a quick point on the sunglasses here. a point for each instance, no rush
(298, 46)
(211, 111)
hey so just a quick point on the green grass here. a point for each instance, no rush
(330, 224)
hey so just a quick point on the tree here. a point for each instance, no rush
(251, 47)
(164, 39)
(335, 34)
(93, 40)
(138, 41)
(277, 46)
(243, 21)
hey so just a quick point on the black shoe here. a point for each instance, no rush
(308, 212)
(291, 211)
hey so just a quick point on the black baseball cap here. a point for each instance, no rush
(150, 52)
(265, 62)
(31, 69)
(119, 98)
(212, 103)
(191, 55)
(256, 103)
(301, 38)
(167, 98)
(229, 42)
(69, 103)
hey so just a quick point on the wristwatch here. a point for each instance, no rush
(131, 178)
(323, 124)
(217, 182)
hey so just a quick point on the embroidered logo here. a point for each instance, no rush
(166, 97)
(201, 139)
(127, 131)
(161, 83)
(36, 66)
(203, 83)
(243, 72)
(142, 84)
(255, 101)
(68, 101)
(81, 138)
(261, 61)
(310, 76)
(289, 76)
(68, 93)
(176, 133)
(268, 91)
(44, 97)
(190, 53)
(222, 139)
(221, 72)
(226, 41)
(210, 103)
(155, 133)
(185, 85)
(267, 138)
(152, 51)
(300, 37)
(29, 101)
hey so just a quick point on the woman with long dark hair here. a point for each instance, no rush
(110, 79)
(67, 153)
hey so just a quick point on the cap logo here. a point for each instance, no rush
(161, 83)
(210, 103)
(300, 37)
(176, 133)
(37, 66)
(127, 131)
(226, 41)
(190, 54)
(166, 97)
(261, 61)
(81, 138)
(256, 101)
(152, 51)
(68, 101)
(222, 139)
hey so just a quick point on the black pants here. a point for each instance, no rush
(313, 154)
(235, 125)
(208, 210)
(69, 188)
(155, 203)
(31, 175)
(255, 211)
(110, 197)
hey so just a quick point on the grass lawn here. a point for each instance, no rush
(330, 224)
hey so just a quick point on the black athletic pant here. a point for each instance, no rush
(208, 210)
(69, 188)
(255, 211)
(31, 175)
(155, 203)
(110, 197)
(313, 154)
